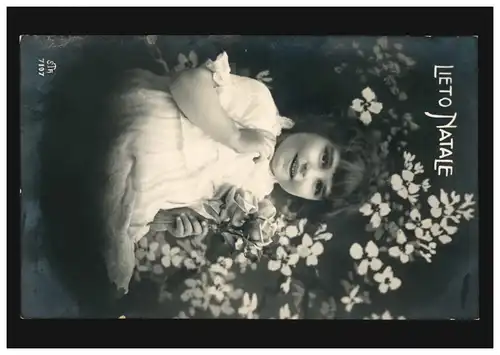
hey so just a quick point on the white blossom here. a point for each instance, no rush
(285, 313)
(387, 280)
(384, 316)
(186, 62)
(248, 306)
(351, 299)
(284, 262)
(310, 250)
(403, 250)
(376, 208)
(370, 252)
(417, 224)
(367, 106)
(404, 185)
(171, 256)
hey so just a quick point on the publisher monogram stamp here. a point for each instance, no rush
(46, 67)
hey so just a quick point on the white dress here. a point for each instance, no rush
(178, 165)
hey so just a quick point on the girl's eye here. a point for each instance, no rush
(318, 189)
(324, 159)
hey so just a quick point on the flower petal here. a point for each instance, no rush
(379, 277)
(182, 59)
(357, 105)
(410, 226)
(385, 209)
(356, 251)
(345, 300)
(368, 94)
(281, 252)
(449, 229)
(154, 246)
(409, 248)
(312, 260)
(376, 264)
(285, 311)
(433, 201)
(395, 252)
(413, 188)
(140, 254)
(274, 265)
(239, 244)
(291, 231)
(253, 303)
(407, 175)
(375, 220)
(444, 239)
(193, 58)
(354, 292)
(165, 249)
(363, 267)
(157, 269)
(189, 264)
(165, 261)
(302, 224)
(366, 209)
(303, 251)
(191, 283)
(293, 259)
(383, 288)
(403, 193)
(285, 286)
(365, 117)
(317, 248)
(395, 283)
(376, 199)
(400, 236)
(284, 240)
(177, 260)
(371, 249)
(404, 258)
(427, 223)
(306, 240)
(436, 212)
(415, 215)
(375, 107)
(215, 310)
(286, 270)
(396, 182)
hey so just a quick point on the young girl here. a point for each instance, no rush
(191, 138)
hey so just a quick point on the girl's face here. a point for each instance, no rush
(304, 164)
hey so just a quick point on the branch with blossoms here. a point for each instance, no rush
(414, 234)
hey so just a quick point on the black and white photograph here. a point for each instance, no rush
(172, 175)
(249, 177)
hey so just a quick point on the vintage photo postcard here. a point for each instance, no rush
(250, 177)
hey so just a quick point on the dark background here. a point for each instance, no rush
(446, 288)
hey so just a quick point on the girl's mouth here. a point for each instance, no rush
(294, 166)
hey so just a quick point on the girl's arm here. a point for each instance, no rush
(195, 94)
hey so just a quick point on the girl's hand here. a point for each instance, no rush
(188, 226)
(256, 141)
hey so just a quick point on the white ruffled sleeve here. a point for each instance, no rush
(220, 69)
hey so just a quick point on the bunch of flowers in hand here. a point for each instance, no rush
(245, 222)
